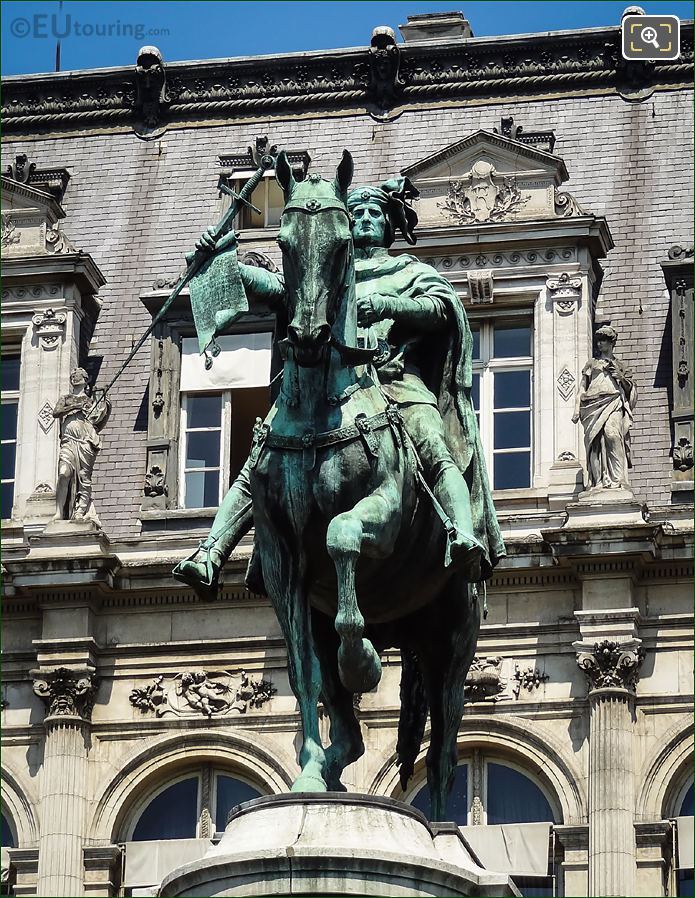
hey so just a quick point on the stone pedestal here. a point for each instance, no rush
(605, 508)
(334, 844)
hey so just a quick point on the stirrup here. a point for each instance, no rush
(206, 589)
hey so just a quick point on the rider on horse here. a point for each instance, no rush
(424, 368)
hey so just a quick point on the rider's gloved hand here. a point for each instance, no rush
(372, 309)
(207, 242)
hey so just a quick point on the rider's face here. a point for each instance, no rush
(368, 225)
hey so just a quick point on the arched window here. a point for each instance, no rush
(687, 808)
(194, 805)
(8, 839)
(491, 790)
(685, 876)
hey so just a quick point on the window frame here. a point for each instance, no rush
(237, 181)
(12, 397)
(206, 769)
(486, 366)
(225, 443)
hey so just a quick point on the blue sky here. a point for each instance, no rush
(208, 30)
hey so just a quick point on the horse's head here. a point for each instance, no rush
(316, 250)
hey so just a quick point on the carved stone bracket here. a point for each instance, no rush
(49, 327)
(210, 694)
(57, 242)
(564, 292)
(481, 286)
(67, 692)
(566, 206)
(611, 665)
(151, 93)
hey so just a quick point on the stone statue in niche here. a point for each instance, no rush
(605, 404)
(82, 416)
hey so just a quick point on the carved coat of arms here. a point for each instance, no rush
(482, 195)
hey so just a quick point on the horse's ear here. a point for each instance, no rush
(283, 173)
(344, 172)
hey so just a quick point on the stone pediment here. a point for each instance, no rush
(487, 178)
(30, 221)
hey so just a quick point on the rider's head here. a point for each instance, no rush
(378, 212)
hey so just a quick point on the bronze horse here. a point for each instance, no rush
(351, 550)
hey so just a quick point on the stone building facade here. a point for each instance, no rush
(555, 183)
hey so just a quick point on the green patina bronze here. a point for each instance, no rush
(366, 483)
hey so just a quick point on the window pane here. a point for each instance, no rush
(276, 203)
(475, 392)
(513, 798)
(536, 886)
(202, 489)
(173, 814)
(686, 883)
(204, 411)
(10, 372)
(7, 492)
(476, 342)
(230, 792)
(203, 449)
(510, 341)
(512, 430)
(9, 420)
(7, 839)
(687, 809)
(7, 459)
(457, 809)
(512, 470)
(249, 218)
(512, 389)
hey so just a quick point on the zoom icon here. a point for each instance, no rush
(651, 37)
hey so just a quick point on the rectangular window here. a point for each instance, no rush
(502, 391)
(219, 407)
(10, 407)
(267, 198)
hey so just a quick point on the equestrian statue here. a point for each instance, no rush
(366, 483)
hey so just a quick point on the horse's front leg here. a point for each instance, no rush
(370, 528)
(284, 573)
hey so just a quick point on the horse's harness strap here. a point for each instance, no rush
(364, 428)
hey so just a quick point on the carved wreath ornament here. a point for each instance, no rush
(479, 197)
(211, 694)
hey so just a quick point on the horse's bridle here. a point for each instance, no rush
(350, 355)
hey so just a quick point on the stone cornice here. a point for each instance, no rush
(433, 71)
(77, 267)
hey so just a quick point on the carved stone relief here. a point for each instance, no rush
(7, 234)
(57, 242)
(480, 286)
(481, 195)
(49, 327)
(155, 484)
(495, 678)
(565, 383)
(45, 416)
(208, 693)
(500, 260)
(564, 292)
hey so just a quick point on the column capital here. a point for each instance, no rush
(66, 692)
(611, 665)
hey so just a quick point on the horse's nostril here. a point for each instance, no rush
(322, 334)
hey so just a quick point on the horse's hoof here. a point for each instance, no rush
(309, 782)
(359, 666)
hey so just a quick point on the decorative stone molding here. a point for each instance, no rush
(481, 195)
(155, 482)
(49, 180)
(381, 75)
(66, 692)
(456, 70)
(566, 205)
(259, 260)
(57, 242)
(495, 678)
(299, 159)
(45, 416)
(612, 665)
(151, 95)
(680, 253)
(565, 383)
(542, 140)
(7, 232)
(207, 693)
(565, 292)
(480, 286)
(49, 327)
(500, 260)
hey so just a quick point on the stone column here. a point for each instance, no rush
(69, 697)
(611, 669)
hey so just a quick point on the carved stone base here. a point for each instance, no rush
(40, 508)
(605, 508)
(333, 843)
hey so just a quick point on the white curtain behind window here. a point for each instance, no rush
(243, 362)
(519, 848)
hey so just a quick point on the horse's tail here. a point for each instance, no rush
(411, 723)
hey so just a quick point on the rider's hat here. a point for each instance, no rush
(393, 196)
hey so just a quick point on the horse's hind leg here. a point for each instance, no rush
(370, 528)
(445, 646)
(345, 734)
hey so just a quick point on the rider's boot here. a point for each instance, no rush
(463, 551)
(234, 518)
